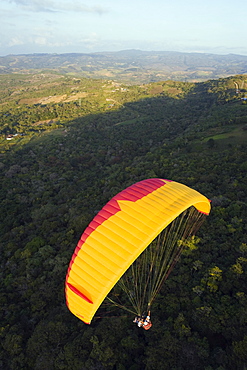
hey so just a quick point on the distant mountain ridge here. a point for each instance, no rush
(131, 65)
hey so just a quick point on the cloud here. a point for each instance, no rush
(15, 41)
(57, 6)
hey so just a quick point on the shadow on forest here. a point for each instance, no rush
(155, 121)
(51, 189)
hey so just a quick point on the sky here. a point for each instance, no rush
(86, 26)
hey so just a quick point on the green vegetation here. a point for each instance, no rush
(133, 66)
(103, 137)
(32, 104)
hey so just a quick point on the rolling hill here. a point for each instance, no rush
(75, 143)
(133, 66)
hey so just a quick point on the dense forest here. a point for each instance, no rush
(67, 146)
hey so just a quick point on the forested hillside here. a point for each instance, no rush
(67, 146)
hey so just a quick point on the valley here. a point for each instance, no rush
(68, 144)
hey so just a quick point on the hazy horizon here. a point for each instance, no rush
(118, 51)
(52, 26)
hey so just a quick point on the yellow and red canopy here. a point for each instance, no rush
(118, 234)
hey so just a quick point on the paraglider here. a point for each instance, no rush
(143, 322)
(142, 230)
